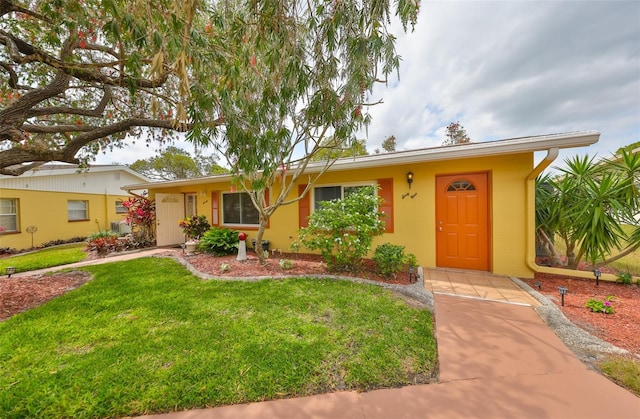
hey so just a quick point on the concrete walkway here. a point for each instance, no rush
(119, 258)
(497, 358)
(476, 284)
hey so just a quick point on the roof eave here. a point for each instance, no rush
(453, 152)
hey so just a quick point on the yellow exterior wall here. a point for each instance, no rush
(414, 216)
(48, 212)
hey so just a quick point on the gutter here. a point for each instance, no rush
(530, 259)
(424, 155)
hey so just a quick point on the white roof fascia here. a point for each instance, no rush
(452, 152)
(462, 151)
(58, 171)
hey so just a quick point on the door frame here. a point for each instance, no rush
(489, 196)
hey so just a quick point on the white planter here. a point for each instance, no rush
(190, 247)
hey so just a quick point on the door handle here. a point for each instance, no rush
(439, 228)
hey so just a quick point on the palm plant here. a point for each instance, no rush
(585, 206)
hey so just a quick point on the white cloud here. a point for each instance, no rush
(512, 69)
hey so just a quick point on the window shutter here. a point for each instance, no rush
(386, 193)
(215, 208)
(304, 207)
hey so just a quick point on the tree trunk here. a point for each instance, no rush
(620, 255)
(264, 219)
(550, 249)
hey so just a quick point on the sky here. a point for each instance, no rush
(507, 69)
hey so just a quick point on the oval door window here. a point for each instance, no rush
(461, 185)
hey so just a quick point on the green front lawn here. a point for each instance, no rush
(147, 336)
(624, 371)
(45, 258)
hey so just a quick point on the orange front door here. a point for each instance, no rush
(462, 221)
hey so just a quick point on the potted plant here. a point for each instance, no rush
(265, 245)
(194, 228)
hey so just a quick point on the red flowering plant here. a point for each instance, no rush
(194, 227)
(141, 215)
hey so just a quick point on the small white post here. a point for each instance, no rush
(242, 247)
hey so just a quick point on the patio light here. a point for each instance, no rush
(410, 274)
(10, 270)
(410, 179)
(597, 274)
(563, 291)
(538, 284)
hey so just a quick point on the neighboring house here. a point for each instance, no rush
(468, 206)
(59, 202)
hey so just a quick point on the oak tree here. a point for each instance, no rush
(81, 76)
(176, 163)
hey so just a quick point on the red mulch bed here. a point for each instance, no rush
(621, 328)
(303, 264)
(23, 293)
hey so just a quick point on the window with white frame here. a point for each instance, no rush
(237, 209)
(330, 193)
(8, 215)
(190, 205)
(121, 209)
(77, 210)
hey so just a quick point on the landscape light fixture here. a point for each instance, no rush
(410, 274)
(410, 179)
(10, 270)
(563, 291)
(597, 274)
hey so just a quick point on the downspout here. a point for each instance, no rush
(530, 258)
(530, 234)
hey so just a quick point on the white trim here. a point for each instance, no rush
(235, 225)
(452, 152)
(342, 186)
(57, 170)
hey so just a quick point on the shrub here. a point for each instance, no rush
(411, 260)
(390, 259)
(195, 227)
(141, 217)
(7, 251)
(625, 278)
(219, 241)
(343, 230)
(286, 264)
(105, 242)
(63, 241)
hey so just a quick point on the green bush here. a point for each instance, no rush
(219, 241)
(411, 260)
(624, 278)
(601, 306)
(286, 263)
(390, 259)
(343, 230)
